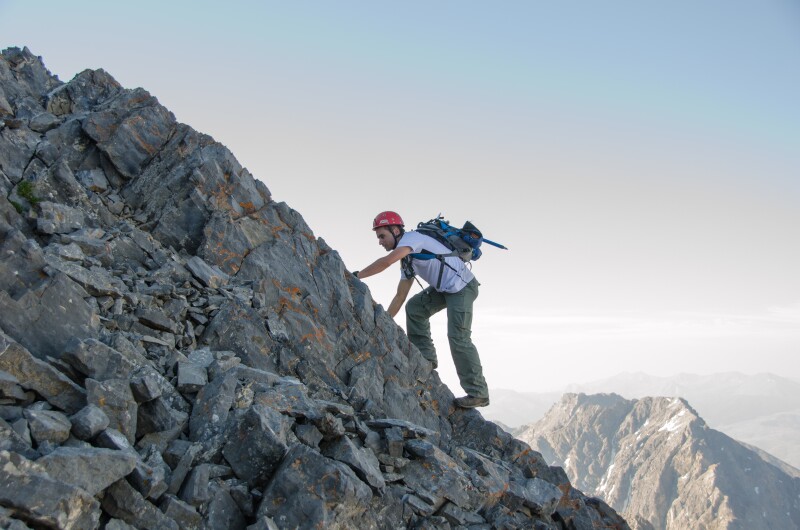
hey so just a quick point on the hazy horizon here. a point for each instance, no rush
(640, 161)
(569, 386)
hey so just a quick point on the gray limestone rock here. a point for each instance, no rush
(257, 444)
(38, 375)
(159, 415)
(489, 476)
(32, 495)
(10, 440)
(182, 513)
(451, 484)
(115, 398)
(17, 147)
(418, 505)
(146, 387)
(96, 280)
(210, 276)
(191, 377)
(309, 490)
(360, 459)
(151, 475)
(541, 496)
(203, 357)
(395, 442)
(292, 400)
(93, 179)
(408, 429)
(118, 524)
(161, 439)
(195, 490)
(264, 377)
(329, 426)
(309, 435)
(21, 262)
(157, 320)
(263, 523)
(48, 426)
(58, 218)
(242, 497)
(10, 387)
(57, 183)
(88, 422)
(458, 517)
(122, 501)
(226, 360)
(22, 428)
(421, 448)
(43, 122)
(223, 512)
(211, 408)
(86, 90)
(59, 302)
(9, 523)
(113, 439)
(241, 329)
(90, 468)
(132, 132)
(183, 467)
(94, 359)
(69, 252)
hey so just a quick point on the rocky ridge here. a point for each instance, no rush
(656, 461)
(759, 409)
(177, 349)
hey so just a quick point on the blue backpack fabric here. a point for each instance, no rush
(463, 242)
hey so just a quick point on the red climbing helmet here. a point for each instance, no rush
(387, 218)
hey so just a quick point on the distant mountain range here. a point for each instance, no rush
(656, 461)
(761, 410)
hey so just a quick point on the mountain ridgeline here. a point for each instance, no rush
(178, 350)
(656, 461)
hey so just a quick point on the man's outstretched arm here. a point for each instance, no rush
(381, 264)
(402, 293)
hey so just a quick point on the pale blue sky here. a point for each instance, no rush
(640, 159)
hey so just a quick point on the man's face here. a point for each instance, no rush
(385, 237)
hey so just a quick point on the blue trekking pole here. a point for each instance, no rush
(498, 245)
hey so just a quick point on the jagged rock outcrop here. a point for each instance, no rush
(177, 349)
(758, 409)
(657, 461)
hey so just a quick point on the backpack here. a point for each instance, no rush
(463, 242)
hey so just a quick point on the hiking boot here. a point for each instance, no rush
(470, 402)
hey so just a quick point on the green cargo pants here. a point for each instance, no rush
(419, 310)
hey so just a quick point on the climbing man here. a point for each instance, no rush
(451, 285)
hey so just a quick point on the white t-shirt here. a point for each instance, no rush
(452, 280)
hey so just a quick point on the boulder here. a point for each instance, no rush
(48, 426)
(122, 501)
(88, 422)
(257, 444)
(59, 301)
(115, 398)
(32, 495)
(309, 490)
(90, 468)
